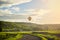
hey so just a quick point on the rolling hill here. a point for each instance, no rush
(23, 26)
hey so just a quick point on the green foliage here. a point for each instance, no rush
(15, 29)
(11, 36)
(23, 26)
(16, 26)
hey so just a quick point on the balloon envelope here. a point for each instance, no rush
(29, 18)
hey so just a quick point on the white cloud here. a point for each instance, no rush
(17, 9)
(41, 11)
(13, 2)
(4, 12)
(9, 10)
(35, 12)
(15, 20)
(30, 10)
(36, 15)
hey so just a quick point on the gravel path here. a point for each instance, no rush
(30, 37)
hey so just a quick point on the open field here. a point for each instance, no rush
(28, 31)
(29, 36)
(23, 26)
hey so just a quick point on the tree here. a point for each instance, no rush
(1, 24)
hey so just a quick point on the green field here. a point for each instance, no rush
(28, 31)
(19, 35)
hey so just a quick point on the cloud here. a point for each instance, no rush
(4, 12)
(36, 15)
(12, 2)
(16, 8)
(13, 18)
(12, 10)
(52, 17)
(30, 9)
(35, 12)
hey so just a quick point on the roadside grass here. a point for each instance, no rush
(18, 35)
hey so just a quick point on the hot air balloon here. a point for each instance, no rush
(29, 18)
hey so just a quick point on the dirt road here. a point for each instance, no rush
(30, 37)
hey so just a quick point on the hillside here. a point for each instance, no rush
(23, 26)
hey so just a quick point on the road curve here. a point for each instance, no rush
(30, 37)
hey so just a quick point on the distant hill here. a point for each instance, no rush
(23, 26)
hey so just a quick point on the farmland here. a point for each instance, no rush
(29, 36)
(29, 31)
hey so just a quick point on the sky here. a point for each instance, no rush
(41, 11)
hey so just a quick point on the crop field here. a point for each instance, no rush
(28, 31)
(30, 35)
